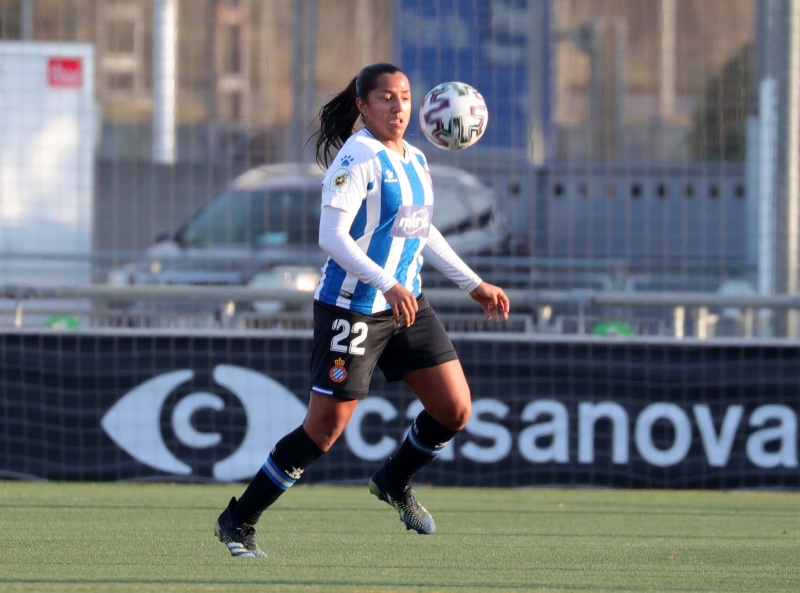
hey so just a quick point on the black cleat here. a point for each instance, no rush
(240, 539)
(412, 514)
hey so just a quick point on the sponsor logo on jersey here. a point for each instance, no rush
(388, 176)
(338, 373)
(412, 222)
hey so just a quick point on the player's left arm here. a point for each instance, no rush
(438, 253)
(493, 299)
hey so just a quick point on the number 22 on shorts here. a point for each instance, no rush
(343, 330)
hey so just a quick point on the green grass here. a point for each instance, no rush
(158, 537)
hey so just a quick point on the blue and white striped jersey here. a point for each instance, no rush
(392, 198)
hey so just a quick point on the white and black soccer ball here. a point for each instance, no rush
(453, 116)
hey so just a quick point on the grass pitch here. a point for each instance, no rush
(158, 537)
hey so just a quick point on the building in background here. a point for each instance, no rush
(616, 133)
(250, 73)
(620, 80)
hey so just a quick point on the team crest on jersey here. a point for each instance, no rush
(340, 180)
(338, 373)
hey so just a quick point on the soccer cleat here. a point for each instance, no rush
(412, 514)
(240, 539)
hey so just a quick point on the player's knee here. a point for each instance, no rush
(324, 434)
(324, 440)
(459, 416)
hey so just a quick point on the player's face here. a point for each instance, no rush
(387, 109)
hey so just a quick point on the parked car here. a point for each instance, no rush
(262, 231)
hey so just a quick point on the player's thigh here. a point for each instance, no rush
(444, 392)
(423, 345)
(347, 346)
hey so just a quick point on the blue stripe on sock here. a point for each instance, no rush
(276, 475)
(422, 447)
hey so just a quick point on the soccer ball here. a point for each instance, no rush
(453, 116)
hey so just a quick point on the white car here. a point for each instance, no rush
(263, 229)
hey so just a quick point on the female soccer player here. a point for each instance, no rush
(377, 205)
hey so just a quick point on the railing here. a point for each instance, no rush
(680, 314)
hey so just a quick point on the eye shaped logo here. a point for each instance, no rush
(133, 422)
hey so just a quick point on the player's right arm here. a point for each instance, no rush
(347, 183)
(335, 240)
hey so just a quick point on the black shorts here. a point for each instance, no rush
(348, 345)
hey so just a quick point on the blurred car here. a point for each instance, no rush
(262, 231)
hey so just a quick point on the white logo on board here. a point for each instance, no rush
(133, 422)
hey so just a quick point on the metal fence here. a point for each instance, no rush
(604, 313)
(638, 151)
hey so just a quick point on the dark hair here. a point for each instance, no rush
(339, 115)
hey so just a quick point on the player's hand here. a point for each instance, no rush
(404, 305)
(494, 301)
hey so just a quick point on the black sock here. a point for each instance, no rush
(425, 440)
(284, 466)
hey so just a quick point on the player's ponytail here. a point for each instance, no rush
(336, 120)
(338, 117)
